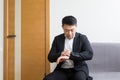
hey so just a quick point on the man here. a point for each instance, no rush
(70, 50)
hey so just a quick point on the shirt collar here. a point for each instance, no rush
(69, 39)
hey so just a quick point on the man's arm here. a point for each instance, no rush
(54, 54)
(86, 51)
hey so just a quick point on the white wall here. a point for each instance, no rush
(18, 40)
(1, 39)
(98, 19)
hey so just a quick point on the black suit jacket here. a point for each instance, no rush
(81, 52)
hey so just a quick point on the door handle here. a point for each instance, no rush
(11, 36)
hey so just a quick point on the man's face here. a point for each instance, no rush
(69, 30)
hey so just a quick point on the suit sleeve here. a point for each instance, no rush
(54, 53)
(86, 52)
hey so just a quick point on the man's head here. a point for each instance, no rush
(69, 24)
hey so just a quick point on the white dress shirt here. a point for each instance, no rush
(68, 46)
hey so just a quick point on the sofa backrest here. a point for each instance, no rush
(106, 57)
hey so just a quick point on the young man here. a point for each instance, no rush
(70, 50)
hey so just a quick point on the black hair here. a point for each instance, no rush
(69, 20)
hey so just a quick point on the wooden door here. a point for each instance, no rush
(34, 39)
(9, 27)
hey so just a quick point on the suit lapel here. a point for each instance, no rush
(75, 41)
(62, 42)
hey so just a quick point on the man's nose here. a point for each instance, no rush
(69, 32)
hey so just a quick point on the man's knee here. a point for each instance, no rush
(80, 75)
(49, 77)
(57, 75)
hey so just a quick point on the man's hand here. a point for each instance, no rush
(61, 59)
(64, 56)
(66, 53)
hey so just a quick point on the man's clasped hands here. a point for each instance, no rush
(65, 55)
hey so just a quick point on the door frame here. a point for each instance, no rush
(47, 37)
(5, 51)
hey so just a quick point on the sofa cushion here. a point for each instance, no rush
(106, 58)
(106, 76)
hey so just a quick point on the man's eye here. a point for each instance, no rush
(66, 30)
(72, 30)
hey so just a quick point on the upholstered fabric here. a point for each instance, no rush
(105, 64)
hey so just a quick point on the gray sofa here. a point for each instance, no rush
(105, 64)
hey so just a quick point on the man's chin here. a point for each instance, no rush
(70, 37)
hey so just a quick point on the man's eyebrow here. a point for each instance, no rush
(69, 29)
